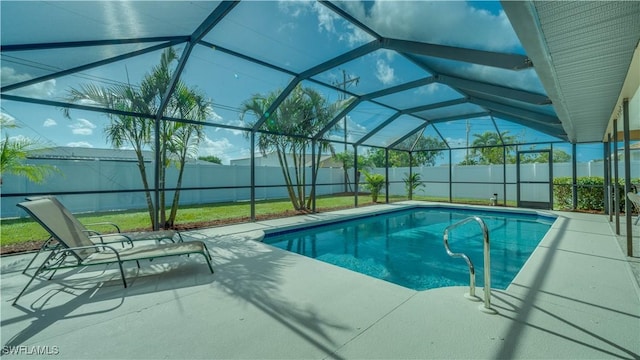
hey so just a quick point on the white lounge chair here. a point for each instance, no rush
(76, 248)
(100, 237)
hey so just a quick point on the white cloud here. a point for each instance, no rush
(293, 8)
(220, 148)
(525, 79)
(49, 123)
(215, 116)
(6, 119)
(20, 138)
(214, 147)
(384, 72)
(296, 9)
(82, 127)
(80, 144)
(429, 89)
(328, 21)
(237, 122)
(455, 23)
(287, 27)
(326, 18)
(45, 89)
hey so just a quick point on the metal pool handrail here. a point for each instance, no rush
(487, 260)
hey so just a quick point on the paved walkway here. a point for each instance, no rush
(575, 298)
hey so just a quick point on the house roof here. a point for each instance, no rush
(84, 153)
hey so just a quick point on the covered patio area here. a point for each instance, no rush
(576, 297)
(159, 107)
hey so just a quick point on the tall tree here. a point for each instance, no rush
(122, 130)
(185, 137)
(559, 156)
(211, 158)
(288, 131)
(488, 149)
(178, 140)
(347, 160)
(421, 157)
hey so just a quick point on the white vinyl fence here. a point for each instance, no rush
(210, 183)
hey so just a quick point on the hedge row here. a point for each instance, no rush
(590, 192)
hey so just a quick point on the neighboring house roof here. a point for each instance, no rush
(271, 159)
(83, 153)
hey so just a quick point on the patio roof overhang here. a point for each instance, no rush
(583, 53)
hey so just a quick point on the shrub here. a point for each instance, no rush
(562, 198)
(374, 183)
(590, 192)
(412, 183)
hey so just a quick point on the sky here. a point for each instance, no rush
(278, 33)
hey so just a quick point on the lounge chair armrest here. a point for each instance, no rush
(91, 232)
(105, 223)
(104, 238)
(97, 246)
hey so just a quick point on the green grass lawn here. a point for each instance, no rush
(15, 231)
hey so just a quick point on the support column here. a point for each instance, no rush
(313, 175)
(504, 175)
(410, 174)
(386, 175)
(616, 188)
(574, 178)
(450, 179)
(356, 188)
(156, 181)
(253, 176)
(627, 176)
(606, 151)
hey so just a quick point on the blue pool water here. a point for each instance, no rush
(406, 247)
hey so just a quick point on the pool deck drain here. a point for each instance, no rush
(575, 298)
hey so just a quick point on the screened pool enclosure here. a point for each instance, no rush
(160, 105)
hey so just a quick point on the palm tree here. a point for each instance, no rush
(346, 159)
(13, 152)
(177, 140)
(488, 147)
(288, 132)
(185, 137)
(320, 114)
(122, 129)
(412, 183)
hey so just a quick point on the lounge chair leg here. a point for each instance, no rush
(45, 245)
(208, 262)
(207, 257)
(33, 277)
(124, 281)
(60, 261)
(32, 260)
(206, 250)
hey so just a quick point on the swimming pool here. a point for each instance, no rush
(406, 247)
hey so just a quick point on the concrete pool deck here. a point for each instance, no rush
(576, 297)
